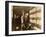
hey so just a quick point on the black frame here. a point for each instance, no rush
(7, 18)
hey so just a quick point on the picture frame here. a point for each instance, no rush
(15, 18)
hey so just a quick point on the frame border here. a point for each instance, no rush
(7, 17)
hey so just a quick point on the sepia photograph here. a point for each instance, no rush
(25, 18)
